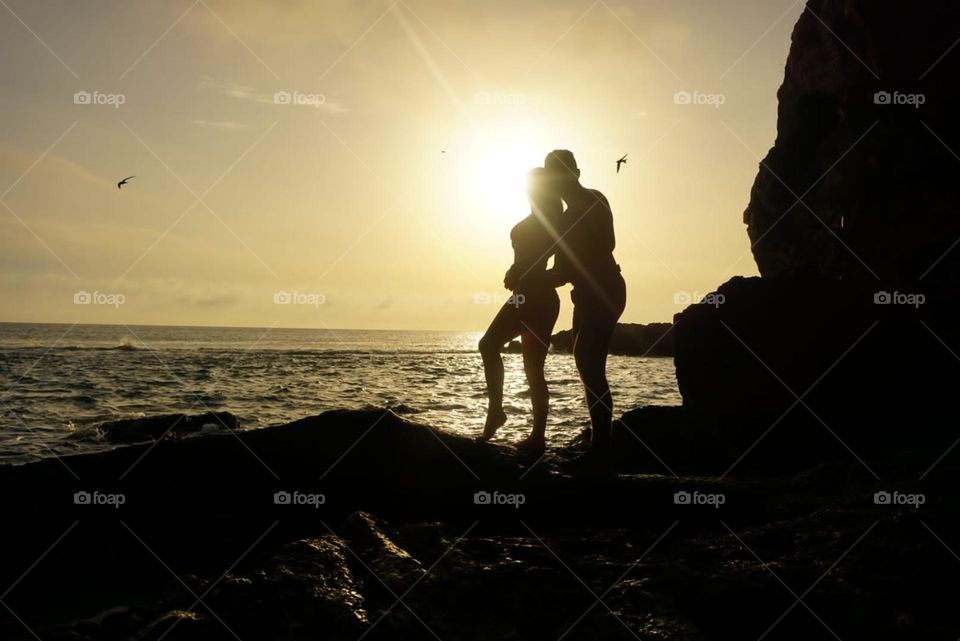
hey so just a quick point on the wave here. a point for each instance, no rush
(235, 350)
(136, 428)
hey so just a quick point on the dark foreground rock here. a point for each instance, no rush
(820, 361)
(421, 534)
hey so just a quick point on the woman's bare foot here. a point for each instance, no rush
(495, 420)
(532, 444)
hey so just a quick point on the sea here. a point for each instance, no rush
(59, 382)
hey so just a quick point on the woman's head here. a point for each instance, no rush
(540, 191)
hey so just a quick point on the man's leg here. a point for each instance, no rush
(590, 353)
(534, 356)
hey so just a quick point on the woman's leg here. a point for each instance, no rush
(504, 327)
(535, 343)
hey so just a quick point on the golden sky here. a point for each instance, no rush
(366, 157)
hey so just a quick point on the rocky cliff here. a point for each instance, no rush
(853, 220)
(862, 179)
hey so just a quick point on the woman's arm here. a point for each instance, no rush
(510, 278)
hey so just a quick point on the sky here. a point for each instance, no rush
(359, 164)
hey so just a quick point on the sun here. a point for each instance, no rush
(491, 167)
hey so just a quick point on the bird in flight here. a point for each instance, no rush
(124, 182)
(622, 161)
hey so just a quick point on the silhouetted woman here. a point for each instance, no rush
(530, 313)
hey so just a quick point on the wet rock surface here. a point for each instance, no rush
(652, 552)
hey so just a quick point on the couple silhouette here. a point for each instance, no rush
(581, 240)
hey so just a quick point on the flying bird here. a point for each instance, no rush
(622, 161)
(124, 182)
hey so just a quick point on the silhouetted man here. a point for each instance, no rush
(585, 259)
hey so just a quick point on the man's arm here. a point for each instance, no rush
(606, 239)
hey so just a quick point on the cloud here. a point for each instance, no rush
(226, 299)
(252, 94)
(220, 124)
(20, 161)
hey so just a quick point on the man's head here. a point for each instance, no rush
(562, 168)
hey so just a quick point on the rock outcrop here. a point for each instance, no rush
(629, 339)
(853, 219)
(861, 182)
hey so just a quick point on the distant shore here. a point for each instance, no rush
(629, 339)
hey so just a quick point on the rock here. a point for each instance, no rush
(815, 366)
(629, 339)
(303, 586)
(392, 564)
(401, 519)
